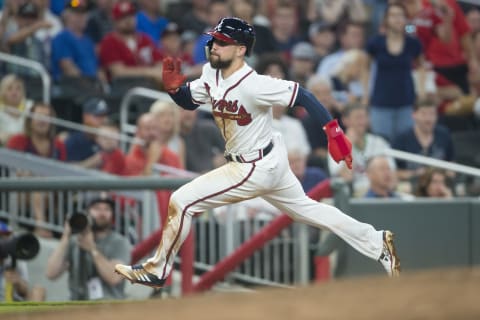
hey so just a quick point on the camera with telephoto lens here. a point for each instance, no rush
(79, 221)
(23, 246)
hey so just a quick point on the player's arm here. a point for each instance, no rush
(339, 146)
(173, 82)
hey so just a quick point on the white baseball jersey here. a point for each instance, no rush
(241, 104)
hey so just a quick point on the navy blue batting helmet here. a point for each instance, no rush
(235, 31)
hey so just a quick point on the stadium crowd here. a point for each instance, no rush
(404, 74)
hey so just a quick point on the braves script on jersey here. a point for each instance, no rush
(241, 105)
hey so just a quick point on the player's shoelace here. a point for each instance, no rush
(138, 274)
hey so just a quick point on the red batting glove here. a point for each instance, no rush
(172, 78)
(339, 146)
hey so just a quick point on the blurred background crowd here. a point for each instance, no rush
(401, 74)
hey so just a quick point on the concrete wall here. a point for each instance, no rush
(429, 233)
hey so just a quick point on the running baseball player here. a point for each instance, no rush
(257, 164)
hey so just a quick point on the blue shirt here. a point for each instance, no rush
(80, 147)
(441, 147)
(370, 194)
(312, 177)
(81, 50)
(153, 28)
(393, 84)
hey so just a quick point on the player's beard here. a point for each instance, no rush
(217, 63)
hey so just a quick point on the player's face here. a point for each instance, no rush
(222, 54)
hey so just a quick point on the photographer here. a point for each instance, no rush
(90, 255)
(13, 276)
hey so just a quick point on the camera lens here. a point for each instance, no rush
(78, 222)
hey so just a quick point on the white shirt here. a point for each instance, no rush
(293, 134)
(241, 105)
(374, 145)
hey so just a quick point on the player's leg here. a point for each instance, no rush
(230, 183)
(363, 237)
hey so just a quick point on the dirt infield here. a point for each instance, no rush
(440, 294)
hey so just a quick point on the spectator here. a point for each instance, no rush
(204, 144)
(168, 127)
(265, 42)
(216, 10)
(285, 27)
(112, 158)
(171, 46)
(272, 64)
(393, 93)
(100, 21)
(21, 41)
(13, 106)
(46, 35)
(347, 74)
(13, 275)
(351, 36)
(434, 183)
(141, 157)
(364, 146)
(322, 36)
(382, 180)
(292, 131)
(90, 256)
(321, 87)
(426, 138)
(38, 138)
(149, 19)
(302, 63)
(8, 22)
(309, 177)
(336, 11)
(444, 32)
(127, 53)
(196, 19)
(82, 148)
(73, 52)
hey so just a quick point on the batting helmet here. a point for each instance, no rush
(235, 31)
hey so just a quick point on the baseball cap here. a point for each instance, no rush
(171, 28)
(4, 229)
(320, 26)
(97, 199)
(122, 9)
(28, 10)
(304, 51)
(95, 106)
(80, 6)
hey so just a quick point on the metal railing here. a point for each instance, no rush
(66, 190)
(34, 65)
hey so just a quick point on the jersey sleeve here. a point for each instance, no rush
(199, 88)
(270, 91)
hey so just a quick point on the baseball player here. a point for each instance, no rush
(257, 164)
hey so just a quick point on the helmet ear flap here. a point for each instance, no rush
(208, 48)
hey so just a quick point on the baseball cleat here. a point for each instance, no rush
(389, 258)
(139, 274)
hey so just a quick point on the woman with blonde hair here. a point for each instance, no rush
(13, 106)
(167, 120)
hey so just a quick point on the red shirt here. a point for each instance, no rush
(445, 54)
(142, 52)
(136, 160)
(21, 142)
(113, 162)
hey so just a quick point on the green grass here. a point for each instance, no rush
(43, 306)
